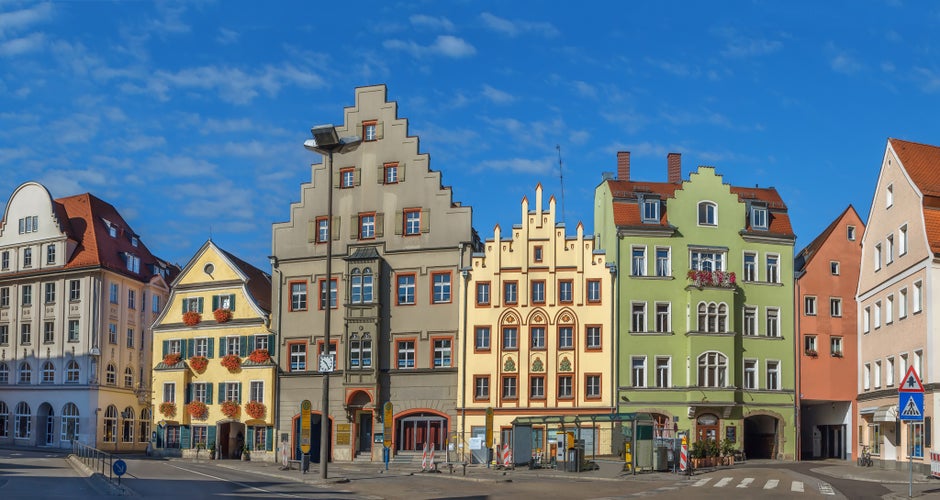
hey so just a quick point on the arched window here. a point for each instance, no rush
(69, 422)
(367, 286)
(712, 370)
(4, 420)
(48, 372)
(707, 213)
(111, 375)
(144, 425)
(23, 421)
(722, 318)
(360, 352)
(712, 317)
(71, 372)
(702, 317)
(110, 424)
(127, 425)
(128, 377)
(355, 286)
(4, 373)
(26, 373)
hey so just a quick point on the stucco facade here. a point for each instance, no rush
(538, 338)
(708, 351)
(399, 243)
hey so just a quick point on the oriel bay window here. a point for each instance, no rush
(360, 351)
(707, 260)
(361, 286)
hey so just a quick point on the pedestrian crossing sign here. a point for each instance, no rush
(911, 406)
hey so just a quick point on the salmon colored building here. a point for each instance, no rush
(827, 350)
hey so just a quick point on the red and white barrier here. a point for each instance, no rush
(507, 456)
(684, 458)
(935, 464)
(424, 458)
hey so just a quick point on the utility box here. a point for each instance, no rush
(521, 444)
(660, 458)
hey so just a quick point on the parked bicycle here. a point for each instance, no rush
(864, 458)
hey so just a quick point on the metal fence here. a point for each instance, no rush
(95, 459)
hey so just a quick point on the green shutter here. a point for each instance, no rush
(221, 392)
(232, 301)
(191, 347)
(160, 443)
(210, 436)
(215, 302)
(166, 347)
(189, 392)
(251, 437)
(239, 401)
(269, 441)
(222, 346)
(271, 347)
(210, 348)
(200, 305)
(185, 437)
(244, 345)
(209, 393)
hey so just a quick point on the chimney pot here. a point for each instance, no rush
(674, 167)
(623, 165)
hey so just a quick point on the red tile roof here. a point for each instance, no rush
(932, 226)
(922, 163)
(806, 255)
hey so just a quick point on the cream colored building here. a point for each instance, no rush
(538, 340)
(231, 300)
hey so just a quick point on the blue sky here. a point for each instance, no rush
(190, 117)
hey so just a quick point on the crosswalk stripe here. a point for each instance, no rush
(746, 482)
(797, 486)
(771, 484)
(702, 482)
(826, 489)
(722, 482)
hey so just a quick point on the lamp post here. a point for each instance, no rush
(326, 141)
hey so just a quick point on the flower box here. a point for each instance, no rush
(198, 410)
(191, 318)
(719, 279)
(198, 363)
(168, 409)
(812, 352)
(222, 315)
(230, 408)
(255, 409)
(232, 362)
(172, 359)
(259, 356)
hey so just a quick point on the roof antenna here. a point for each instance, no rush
(561, 178)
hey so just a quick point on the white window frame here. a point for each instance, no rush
(889, 309)
(809, 305)
(889, 371)
(772, 271)
(835, 307)
(663, 372)
(918, 297)
(717, 371)
(772, 321)
(877, 257)
(902, 241)
(750, 367)
(638, 371)
(638, 260)
(877, 314)
(256, 391)
(638, 317)
(774, 374)
(663, 317)
(713, 213)
(902, 303)
(664, 266)
(877, 374)
(750, 268)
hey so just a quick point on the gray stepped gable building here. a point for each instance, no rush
(399, 244)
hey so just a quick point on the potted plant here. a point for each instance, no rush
(246, 453)
(198, 363)
(172, 359)
(255, 409)
(229, 408)
(222, 315)
(232, 362)
(198, 410)
(698, 454)
(727, 452)
(259, 356)
(212, 450)
(713, 452)
(191, 318)
(168, 409)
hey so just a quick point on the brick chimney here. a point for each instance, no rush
(623, 165)
(674, 167)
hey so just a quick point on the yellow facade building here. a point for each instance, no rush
(537, 337)
(214, 380)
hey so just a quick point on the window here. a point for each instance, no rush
(360, 286)
(298, 296)
(112, 333)
(537, 337)
(360, 352)
(71, 372)
(333, 284)
(47, 373)
(131, 299)
(144, 434)
(406, 289)
(441, 287)
(537, 387)
(390, 173)
(48, 332)
(750, 374)
(483, 293)
(4, 373)
(174, 346)
(155, 304)
(510, 292)
(918, 362)
(347, 177)
(69, 423)
(565, 387)
(877, 314)
(712, 318)
(199, 436)
(112, 231)
(233, 345)
(481, 388)
(565, 291)
(809, 305)
(902, 240)
(369, 131)
(111, 374)
(22, 421)
(773, 322)
(27, 257)
(889, 249)
(593, 337)
(50, 254)
(889, 309)
(169, 392)
(133, 262)
(323, 229)
(538, 291)
(809, 345)
(537, 253)
(256, 391)
(510, 387)
(366, 226)
(5, 260)
(889, 196)
(662, 318)
(707, 213)
(510, 338)
(412, 222)
(638, 317)
(866, 320)
(4, 334)
(850, 233)
(26, 333)
(27, 291)
(26, 373)
(750, 266)
(707, 260)
(406, 354)
(49, 296)
(663, 267)
(877, 256)
(877, 374)
(835, 307)
(638, 371)
(750, 320)
(233, 391)
(663, 372)
(835, 346)
(638, 267)
(889, 371)
(201, 347)
(481, 338)
(650, 210)
(594, 291)
(917, 298)
(5, 296)
(442, 353)
(592, 386)
(712, 370)
(902, 303)
(773, 375)
(29, 224)
(298, 356)
(773, 269)
(128, 377)
(758, 217)
(566, 337)
(113, 295)
(75, 290)
(834, 267)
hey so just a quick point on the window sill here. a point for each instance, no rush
(653, 334)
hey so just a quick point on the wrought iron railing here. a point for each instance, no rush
(95, 459)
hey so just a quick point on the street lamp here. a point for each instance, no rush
(326, 141)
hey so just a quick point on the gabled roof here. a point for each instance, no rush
(258, 284)
(805, 255)
(922, 164)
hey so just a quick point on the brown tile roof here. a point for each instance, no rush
(932, 227)
(259, 282)
(922, 163)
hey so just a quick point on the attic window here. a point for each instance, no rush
(759, 216)
(650, 209)
(135, 241)
(132, 261)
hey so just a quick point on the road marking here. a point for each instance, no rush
(243, 485)
(797, 486)
(722, 482)
(702, 482)
(746, 482)
(771, 484)
(826, 489)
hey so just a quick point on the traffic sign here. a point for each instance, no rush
(911, 406)
(305, 426)
(489, 427)
(119, 467)
(911, 382)
(387, 411)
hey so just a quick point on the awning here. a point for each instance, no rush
(886, 413)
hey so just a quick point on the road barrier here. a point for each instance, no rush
(684, 458)
(507, 456)
(95, 459)
(934, 464)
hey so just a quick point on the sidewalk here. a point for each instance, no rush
(872, 474)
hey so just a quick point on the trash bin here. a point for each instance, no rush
(574, 460)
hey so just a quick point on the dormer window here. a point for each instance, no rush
(135, 241)
(132, 261)
(649, 207)
(707, 213)
(112, 231)
(759, 216)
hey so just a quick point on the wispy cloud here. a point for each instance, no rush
(584, 89)
(178, 166)
(928, 79)
(497, 96)
(24, 45)
(515, 28)
(11, 22)
(842, 61)
(444, 45)
(233, 85)
(544, 165)
(170, 21)
(738, 45)
(675, 68)
(431, 22)
(227, 36)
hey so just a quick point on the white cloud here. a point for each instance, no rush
(674, 68)
(750, 47)
(841, 61)
(18, 46)
(171, 21)
(161, 166)
(521, 165)
(887, 67)
(142, 142)
(20, 19)
(444, 45)
(435, 23)
(585, 89)
(497, 96)
(8, 155)
(227, 36)
(79, 128)
(516, 28)
(929, 79)
(234, 85)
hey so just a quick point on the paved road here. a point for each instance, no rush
(28, 474)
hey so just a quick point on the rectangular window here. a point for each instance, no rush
(866, 320)
(566, 337)
(174, 346)
(5, 260)
(481, 340)
(902, 303)
(874, 438)
(333, 285)
(50, 293)
(877, 315)
(441, 287)
(902, 240)
(483, 293)
(919, 362)
(406, 354)
(4, 334)
(594, 291)
(889, 371)
(889, 249)
(565, 291)
(758, 217)
(442, 353)
(835, 307)
(481, 388)
(850, 233)
(663, 318)
(29, 224)
(750, 320)
(834, 267)
(918, 297)
(773, 322)
(889, 309)
(750, 374)
(27, 291)
(877, 374)
(369, 131)
(130, 338)
(835, 346)
(809, 345)
(112, 333)
(5, 296)
(113, 293)
(565, 387)
(50, 254)
(298, 296)
(750, 266)
(638, 371)
(537, 387)
(593, 337)
(233, 391)
(773, 375)
(200, 392)
(233, 345)
(298, 356)
(256, 391)
(201, 347)
(132, 299)
(915, 440)
(27, 257)
(809, 305)
(707, 261)
(323, 229)
(75, 290)
(169, 392)
(638, 317)
(537, 253)
(366, 226)
(411, 218)
(390, 173)
(877, 257)
(866, 376)
(510, 387)
(592, 386)
(347, 177)
(510, 292)
(537, 337)
(663, 372)
(538, 291)
(650, 210)
(406, 289)
(510, 338)
(155, 304)
(773, 269)
(73, 330)
(663, 267)
(48, 332)
(638, 262)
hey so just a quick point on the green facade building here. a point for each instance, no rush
(704, 306)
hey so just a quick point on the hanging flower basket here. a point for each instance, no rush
(720, 279)
(222, 315)
(172, 359)
(198, 363)
(255, 409)
(191, 318)
(168, 409)
(198, 410)
(259, 356)
(232, 362)
(230, 408)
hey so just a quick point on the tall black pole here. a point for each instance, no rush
(325, 417)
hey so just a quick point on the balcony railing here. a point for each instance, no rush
(718, 279)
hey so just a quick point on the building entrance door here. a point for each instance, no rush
(365, 432)
(707, 426)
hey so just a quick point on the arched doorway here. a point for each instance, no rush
(230, 439)
(45, 425)
(707, 427)
(315, 433)
(416, 429)
(760, 436)
(358, 406)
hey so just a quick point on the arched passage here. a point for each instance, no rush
(761, 436)
(417, 428)
(45, 425)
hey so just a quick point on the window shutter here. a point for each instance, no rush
(354, 228)
(231, 301)
(200, 305)
(251, 437)
(271, 347)
(401, 171)
(210, 348)
(311, 231)
(244, 346)
(189, 393)
(357, 174)
(222, 346)
(210, 436)
(399, 222)
(335, 227)
(190, 348)
(380, 175)
(269, 441)
(183, 302)
(221, 397)
(927, 422)
(426, 220)
(215, 302)
(379, 130)
(239, 400)
(209, 398)
(184, 437)
(379, 225)
(160, 436)
(166, 347)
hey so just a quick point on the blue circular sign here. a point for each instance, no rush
(119, 467)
